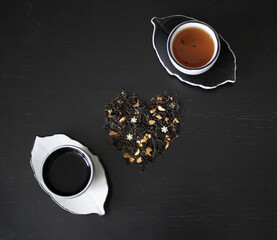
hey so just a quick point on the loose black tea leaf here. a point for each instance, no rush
(142, 132)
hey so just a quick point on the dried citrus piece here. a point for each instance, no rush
(160, 108)
(175, 120)
(145, 138)
(137, 152)
(112, 133)
(148, 151)
(126, 155)
(137, 104)
(167, 145)
(122, 119)
(139, 160)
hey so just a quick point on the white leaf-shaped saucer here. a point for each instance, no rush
(93, 199)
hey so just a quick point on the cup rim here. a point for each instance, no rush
(213, 59)
(86, 155)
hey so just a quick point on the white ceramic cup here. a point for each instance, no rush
(192, 24)
(85, 157)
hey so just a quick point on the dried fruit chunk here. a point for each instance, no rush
(131, 159)
(145, 138)
(126, 155)
(137, 104)
(153, 110)
(137, 152)
(167, 145)
(112, 133)
(148, 151)
(139, 160)
(160, 108)
(151, 122)
(159, 98)
(175, 120)
(119, 101)
(122, 119)
(159, 116)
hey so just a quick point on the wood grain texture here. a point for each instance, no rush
(61, 61)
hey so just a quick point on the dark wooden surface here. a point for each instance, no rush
(61, 61)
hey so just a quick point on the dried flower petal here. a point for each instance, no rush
(140, 144)
(166, 119)
(164, 129)
(134, 120)
(151, 122)
(129, 137)
(172, 105)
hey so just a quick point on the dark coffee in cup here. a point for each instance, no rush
(67, 171)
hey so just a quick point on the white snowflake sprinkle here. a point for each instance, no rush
(134, 120)
(164, 129)
(129, 137)
(172, 105)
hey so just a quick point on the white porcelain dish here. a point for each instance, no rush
(90, 201)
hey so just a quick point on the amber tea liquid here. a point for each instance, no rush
(193, 47)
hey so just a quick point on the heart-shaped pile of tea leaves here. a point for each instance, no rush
(143, 132)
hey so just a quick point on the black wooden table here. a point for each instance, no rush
(61, 61)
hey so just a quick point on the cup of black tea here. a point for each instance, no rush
(67, 171)
(193, 47)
